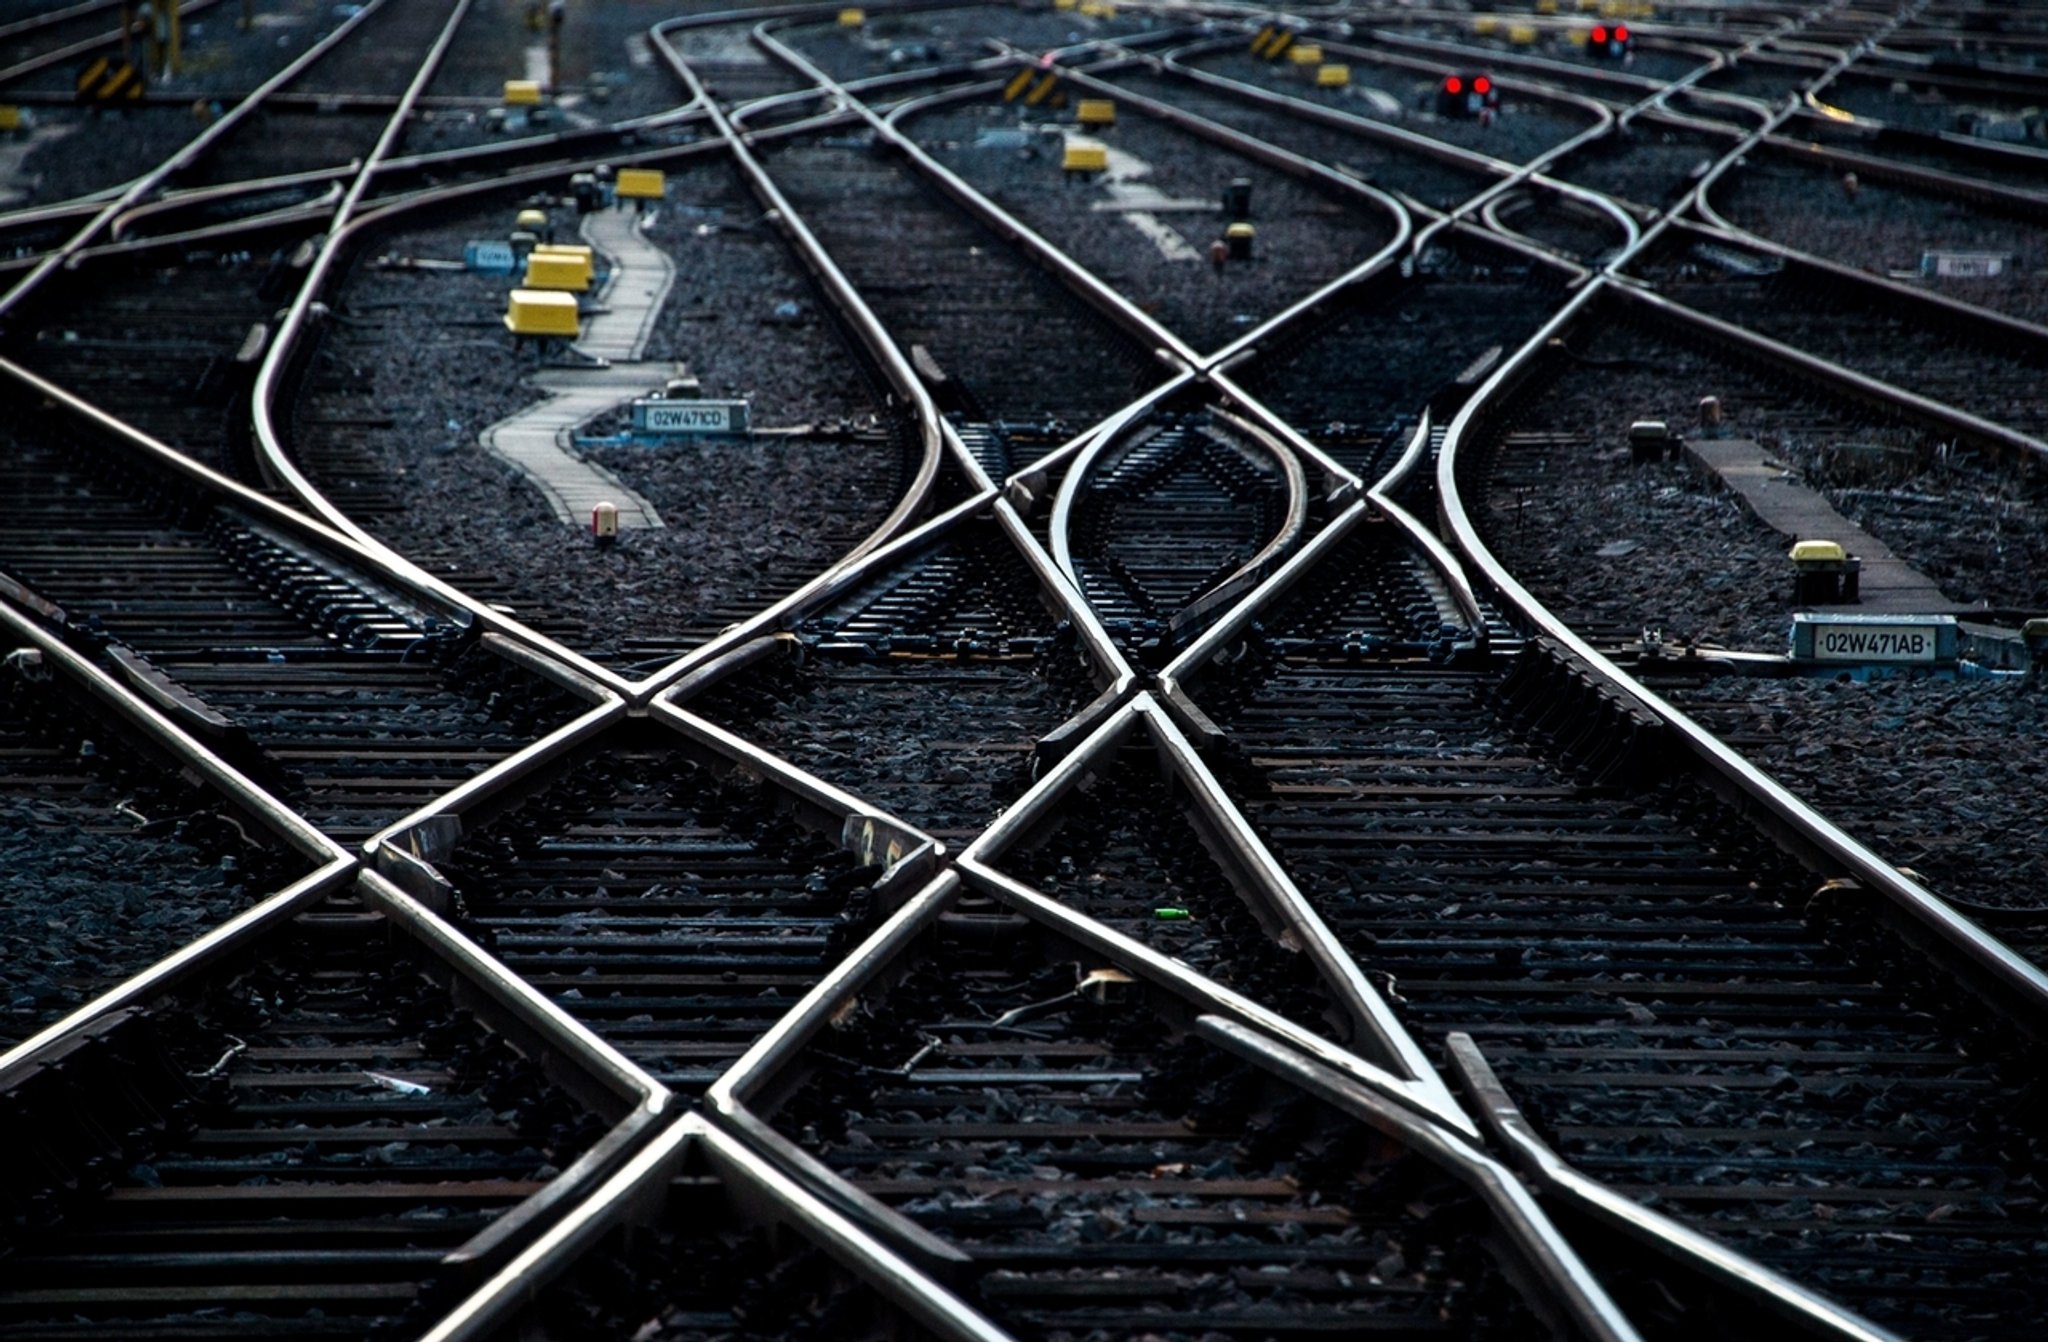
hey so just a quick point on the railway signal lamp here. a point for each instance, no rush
(1612, 43)
(1466, 95)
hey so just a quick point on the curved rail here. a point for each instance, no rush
(183, 159)
(2016, 980)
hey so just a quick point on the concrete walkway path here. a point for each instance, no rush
(539, 441)
(1888, 585)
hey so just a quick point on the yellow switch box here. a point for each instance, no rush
(1522, 34)
(1095, 112)
(541, 312)
(1305, 54)
(561, 256)
(1085, 156)
(10, 118)
(1486, 25)
(1333, 76)
(852, 18)
(544, 271)
(522, 93)
(641, 184)
(1818, 552)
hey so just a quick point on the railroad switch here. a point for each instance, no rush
(1824, 574)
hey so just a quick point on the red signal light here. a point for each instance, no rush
(1600, 34)
(1454, 85)
(1482, 85)
(1621, 34)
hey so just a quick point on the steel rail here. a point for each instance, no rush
(182, 159)
(343, 548)
(1812, 1314)
(705, 666)
(150, 722)
(1545, 1251)
(405, 852)
(1120, 310)
(230, 938)
(1283, 912)
(59, 55)
(275, 461)
(1509, 175)
(1958, 942)
(939, 440)
(333, 864)
(1246, 1030)
(763, 1193)
(50, 18)
(1932, 303)
(905, 852)
(1286, 535)
(1856, 384)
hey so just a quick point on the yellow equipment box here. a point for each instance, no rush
(1305, 54)
(1085, 156)
(541, 312)
(641, 184)
(522, 93)
(1333, 76)
(1095, 112)
(1818, 552)
(852, 18)
(557, 272)
(582, 257)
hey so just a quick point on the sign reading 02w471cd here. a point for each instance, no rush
(680, 416)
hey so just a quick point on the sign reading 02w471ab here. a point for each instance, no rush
(654, 415)
(1924, 640)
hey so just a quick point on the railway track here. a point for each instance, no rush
(1035, 1128)
(1684, 1020)
(1071, 903)
(966, 297)
(1165, 523)
(358, 703)
(953, 656)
